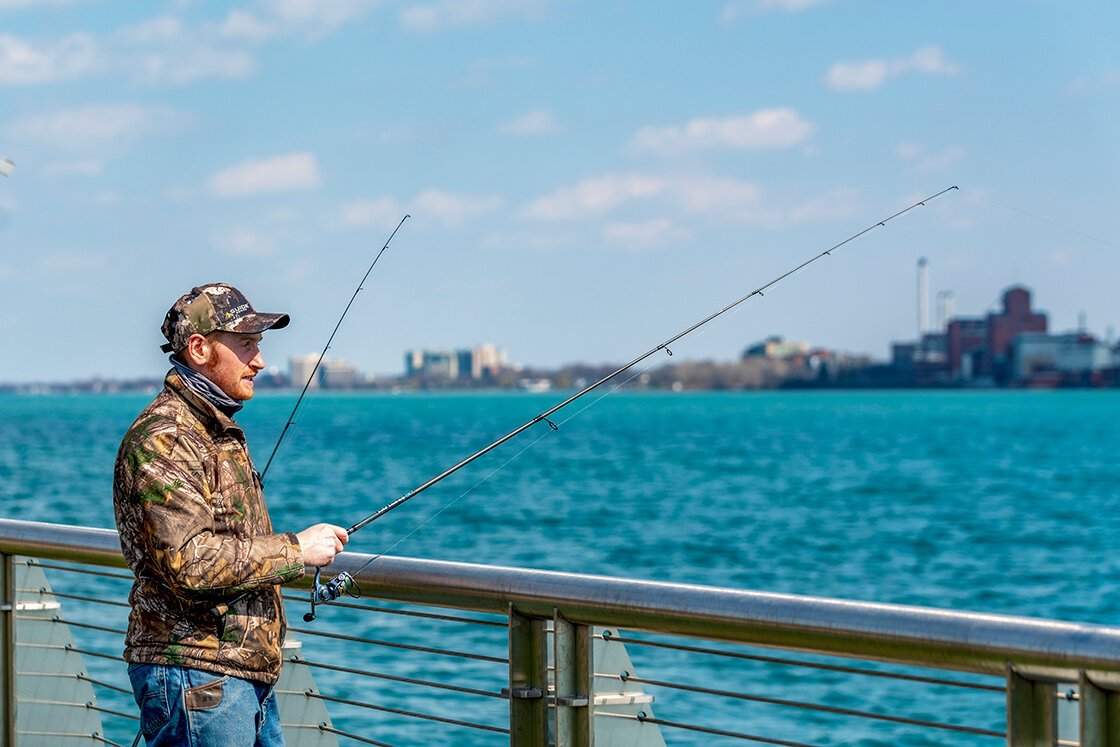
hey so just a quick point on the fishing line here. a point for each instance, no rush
(311, 377)
(462, 495)
(344, 582)
(291, 416)
(1043, 220)
(501, 467)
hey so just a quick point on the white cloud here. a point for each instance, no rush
(737, 8)
(871, 74)
(287, 173)
(449, 209)
(160, 49)
(691, 195)
(538, 122)
(26, 63)
(834, 205)
(643, 234)
(1094, 84)
(926, 161)
(704, 197)
(193, 62)
(315, 14)
(454, 210)
(443, 14)
(247, 242)
(380, 211)
(594, 196)
(246, 27)
(156, 30)
(163, 49)
(96, 127)
(861, 76)
(762, 130)
(20, 4)
(272, 19)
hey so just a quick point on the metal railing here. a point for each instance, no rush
(545, 658)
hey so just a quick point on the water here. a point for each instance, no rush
(991, 501)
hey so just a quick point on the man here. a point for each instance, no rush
(207, 621)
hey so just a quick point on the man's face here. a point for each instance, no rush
(233, 361)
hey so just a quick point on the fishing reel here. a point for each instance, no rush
(322, 593)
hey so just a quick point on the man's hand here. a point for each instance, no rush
(321, 543)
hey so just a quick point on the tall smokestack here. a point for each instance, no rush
(923, 297)
(946, 309)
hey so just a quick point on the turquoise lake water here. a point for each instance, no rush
(991, 501)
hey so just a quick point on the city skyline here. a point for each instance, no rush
(299, 366)
(584, 179)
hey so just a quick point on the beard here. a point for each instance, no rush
(229, 379)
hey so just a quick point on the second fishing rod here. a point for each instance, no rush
(344, 582)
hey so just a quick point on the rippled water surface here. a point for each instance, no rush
(994, 501)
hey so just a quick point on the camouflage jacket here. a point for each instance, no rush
(195, 532)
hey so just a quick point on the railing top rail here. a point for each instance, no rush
(966, 641)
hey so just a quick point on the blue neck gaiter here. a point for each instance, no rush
(205, 388)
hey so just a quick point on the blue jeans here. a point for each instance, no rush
(181, 706)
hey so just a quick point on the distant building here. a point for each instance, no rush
(982, 347)
(302, 368)
(332, 373)
(966, 339)
(1039, 359)
(775, 347)
(969, 349)
(487, 361)
(413, 362)
(337, 374)
(481, 363)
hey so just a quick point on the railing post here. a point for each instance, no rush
(7, 650)
(575, 675)
(528, 681)
(1031, 711)
(1100, 715)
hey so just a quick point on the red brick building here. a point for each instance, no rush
(981, 347)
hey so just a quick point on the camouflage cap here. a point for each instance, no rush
(212, 307)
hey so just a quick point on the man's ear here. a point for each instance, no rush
(197, 350)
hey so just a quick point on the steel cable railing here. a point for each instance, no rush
(410, 714)
(400, 646)
(608, 636)
(774, 662)
(355, 737)
(820, 708)
(622, 639)
(801, 663)
(400, 703)
(642, 718)
(367, 608)
(117, 633)
(935, 641)
(397, 678)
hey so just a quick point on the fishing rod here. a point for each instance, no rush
(311, 377)
(344, 582)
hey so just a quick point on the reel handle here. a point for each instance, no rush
(322, 593)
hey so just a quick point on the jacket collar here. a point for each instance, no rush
(214, 419)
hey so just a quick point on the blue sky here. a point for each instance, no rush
(585, 179)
